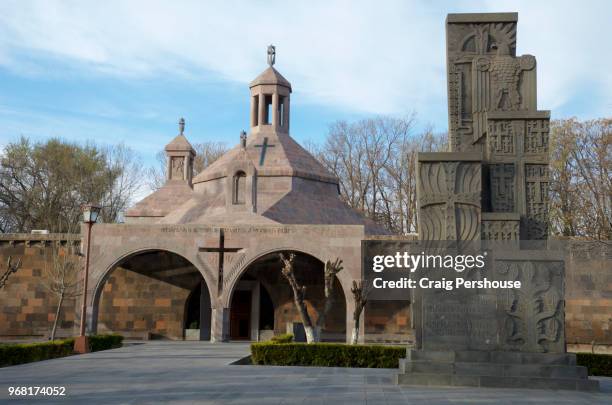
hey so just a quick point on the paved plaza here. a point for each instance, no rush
(200, 372)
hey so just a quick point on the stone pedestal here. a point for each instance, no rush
(494, 369)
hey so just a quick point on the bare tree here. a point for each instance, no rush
(61, 277)
(123, 181)
(206, 154)
(375, 162)
(313, 334)
(11, 268)
(360, 290)
(581, 178)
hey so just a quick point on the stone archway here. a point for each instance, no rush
(145, 295)
(261, 277)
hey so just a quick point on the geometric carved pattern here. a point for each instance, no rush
(501, 137)
(536, 137)
(500, 230)
(502, 187)
(536, 187)
(449, 200)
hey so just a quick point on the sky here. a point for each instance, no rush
(126, 71)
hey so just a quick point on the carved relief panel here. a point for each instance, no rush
(449, 200)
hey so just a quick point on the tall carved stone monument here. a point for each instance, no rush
(491, 189)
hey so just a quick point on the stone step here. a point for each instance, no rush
(494, 369)
(455, 380)
(474, 356)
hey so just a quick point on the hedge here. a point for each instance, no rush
(371, 356)
(104, 342)
(327, 355)
(12, 354)
(598, 364)
(284, 338)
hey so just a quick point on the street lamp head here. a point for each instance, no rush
(90, 213)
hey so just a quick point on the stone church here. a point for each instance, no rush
(199, 257)
(202, 252)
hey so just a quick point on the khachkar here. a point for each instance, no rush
(492, 186)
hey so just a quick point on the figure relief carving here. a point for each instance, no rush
(534, 314)
(178, 166)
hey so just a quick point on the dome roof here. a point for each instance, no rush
(270, 76)
(281, 156)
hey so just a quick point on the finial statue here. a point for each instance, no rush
(243, 137)
(271, 55)
(181, 126)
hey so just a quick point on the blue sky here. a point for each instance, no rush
(126, 71)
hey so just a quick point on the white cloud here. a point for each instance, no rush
(376, 57)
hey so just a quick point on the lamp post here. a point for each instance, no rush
(90, 216)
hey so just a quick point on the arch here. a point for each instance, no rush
(342, 290)
(101, 280)
(239, 188)
(235, 276)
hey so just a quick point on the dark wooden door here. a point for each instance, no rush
(240, 316)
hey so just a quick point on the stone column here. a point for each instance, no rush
(254, 109)
(220, 324)
(275, 123)
(255, 291)
(262, 109)
(205, 312)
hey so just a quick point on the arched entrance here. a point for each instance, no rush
(154, 294)
(262, 303)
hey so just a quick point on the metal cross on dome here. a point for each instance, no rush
(271, 55)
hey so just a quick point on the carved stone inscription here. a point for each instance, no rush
(463, 322)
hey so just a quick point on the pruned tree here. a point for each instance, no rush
(313, 333)
(11, 268)
(61, 278)
(360, 290)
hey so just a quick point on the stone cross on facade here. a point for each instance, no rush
(264, 146)
(221, 250)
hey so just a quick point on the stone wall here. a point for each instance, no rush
(28, 308)
(588, 299)
(135, 305)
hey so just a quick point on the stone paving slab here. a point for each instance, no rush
(199, 372)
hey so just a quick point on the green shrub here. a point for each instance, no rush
(327, 355)
(104, 342)
(598, 364)
(11, 354)
(284, 338)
